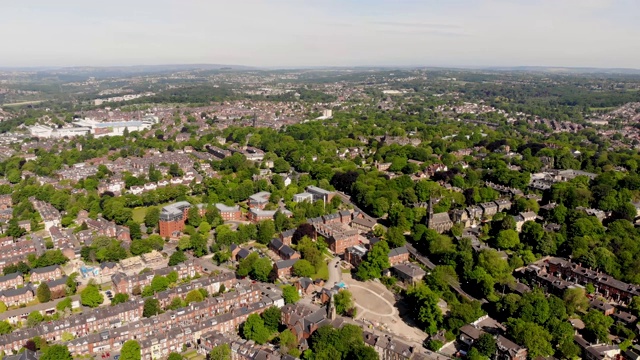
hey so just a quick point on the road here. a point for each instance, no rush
(335, 273)
(38, 307)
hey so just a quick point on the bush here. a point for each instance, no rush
(434, 345)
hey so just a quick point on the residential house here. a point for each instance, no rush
(284, 267)
(11, 281)
(229, 213)
(408, 273)
(398, 255)
(259, 200)
(46, 273)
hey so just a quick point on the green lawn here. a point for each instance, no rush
(323, 273)
(138, 214)
(192, 354)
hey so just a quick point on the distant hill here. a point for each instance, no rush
(115, 71)
(567, 70)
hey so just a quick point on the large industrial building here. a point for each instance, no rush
(82, 127)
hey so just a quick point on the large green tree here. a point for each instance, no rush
(254, 329)
(376, 260)
(130, 350)
(43, 292)
(596, 326)
(290, 294)
(91, 296)
(271, 318)
(425, 303)
(220, 352)
(56, 352)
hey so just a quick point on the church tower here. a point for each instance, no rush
(331, 308)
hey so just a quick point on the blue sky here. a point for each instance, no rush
(597, 33)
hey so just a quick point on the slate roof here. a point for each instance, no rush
(284, 264)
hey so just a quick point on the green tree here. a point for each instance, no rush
(363, 353)
(177, 257)
(376, 260)
(303, 268)
(486, 345)
(425, 302)
(199, 244)
(576, 300)
(72, 283)
(152, 217)
(261, 269)
(56, 352)
(271, 318)
(151, 307)
(193, 296)
(434, 345)
(119, 298)
(91, 296)
(343, 301)
(3, 307)
(220, 352)
(130, 350)
(66, 303)
(159, 283)
(287, 341)
(193, 216)
(596, 326)
(43, 292)
(254, 329)
(507, 239)
(5, 327)
(134, 230)
(290, 294)
(395, 237)
(266, 231)
(246, 265)
(34, 318)
(534, 337)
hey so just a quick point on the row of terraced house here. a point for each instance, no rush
(124, 319)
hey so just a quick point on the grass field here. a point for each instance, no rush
(138, 214)
(323, 273)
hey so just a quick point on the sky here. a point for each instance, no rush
(290, 33)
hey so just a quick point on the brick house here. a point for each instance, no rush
(58, 287)
(287, 236)
(398, 255)
(284, 267)
(355, 254)
(259, 200)
(11, 281)
(363, 225)
(229, 212)
(19, 296)
(46, 273)
(605, 284)
(284, 251)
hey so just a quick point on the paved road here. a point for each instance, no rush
(38, 307)
(335, 273)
